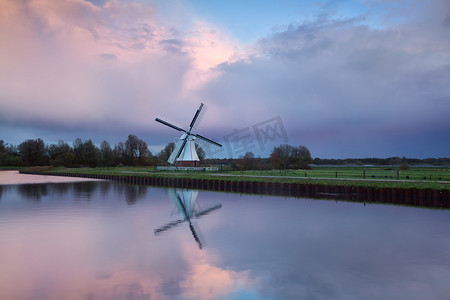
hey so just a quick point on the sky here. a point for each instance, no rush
(344, 78)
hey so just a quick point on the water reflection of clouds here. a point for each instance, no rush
(258, 248)
(205, 279)
(320, 250)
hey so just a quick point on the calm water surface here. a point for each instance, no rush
(101, 240)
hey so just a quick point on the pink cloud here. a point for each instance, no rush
(73, 62)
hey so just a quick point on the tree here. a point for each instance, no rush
(136, 151)
(394, 161)
(78, 151)
(106, 154)
(2, 147)
(143, 153)
(119, 153)
(301, 157)
(287, 156)
(3, 153)
(86, 153)
(200, 152)
(276, 161)
(33, 152)
(404, 164)
(131, 149)
(60, 154)
(247, 162)
(9, 155)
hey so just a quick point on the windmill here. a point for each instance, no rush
(184, 153)
(185, 202)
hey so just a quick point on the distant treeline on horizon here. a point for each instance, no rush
(135, 152)
(390, 161)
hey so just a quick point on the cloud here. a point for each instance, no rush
(108, 56)
(115, 65)
(341, 76)
(76, 64)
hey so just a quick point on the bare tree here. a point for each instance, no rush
(143, 153)
(136, 151)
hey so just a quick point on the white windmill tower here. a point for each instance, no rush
(184, 153)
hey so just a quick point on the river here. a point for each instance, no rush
(104, 240)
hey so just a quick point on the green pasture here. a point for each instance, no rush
(417, 174)
(343, 176)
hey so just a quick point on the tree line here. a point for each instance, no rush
(277, 162)
(282, 157)
(396, 160)
(133, 152)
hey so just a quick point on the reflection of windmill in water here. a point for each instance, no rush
(188, 208)
(184, 154)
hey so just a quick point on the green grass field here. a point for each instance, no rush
(418, 173)
(383, 177)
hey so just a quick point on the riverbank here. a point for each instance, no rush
(351, 190)
(374, 177)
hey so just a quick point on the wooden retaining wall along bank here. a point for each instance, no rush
(414, 197)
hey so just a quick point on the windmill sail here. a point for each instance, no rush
(208, 140)
(170, 125)
(197, 113)
(176, 150)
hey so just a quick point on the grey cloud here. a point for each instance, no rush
(108, 56)
(340, 86)
(172, 45)
(136, 38)
(48, 85)
(97, 2)
(342, 76)
(308, 38)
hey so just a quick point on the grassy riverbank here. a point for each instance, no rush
(418, 178)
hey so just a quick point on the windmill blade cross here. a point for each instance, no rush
(197, 113)
(190, 156)
(188, 218)
(170, 125)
